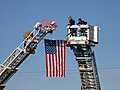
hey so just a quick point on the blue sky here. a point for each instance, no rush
(18, 16)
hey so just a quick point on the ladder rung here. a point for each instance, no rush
(83, 58)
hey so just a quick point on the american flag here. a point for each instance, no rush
(55, 58)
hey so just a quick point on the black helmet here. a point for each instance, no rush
(79, 19)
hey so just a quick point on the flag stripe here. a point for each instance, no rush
(49, 65)
(46, 66)
(56, 66)
(53, 65)
(61, 59)
(58, 58)
(64, 57)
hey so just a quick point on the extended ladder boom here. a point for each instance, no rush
(9, 67)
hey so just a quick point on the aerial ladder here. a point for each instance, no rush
(81, 39)
(10, 66)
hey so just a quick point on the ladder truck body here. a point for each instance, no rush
(10, 66)
(81, 43)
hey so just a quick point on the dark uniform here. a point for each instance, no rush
(81, 22)
(72, 22)
(72, 30)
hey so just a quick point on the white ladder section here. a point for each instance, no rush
(88, 72)
(9, 67)
(87, 68)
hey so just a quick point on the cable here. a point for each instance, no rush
(113, 69)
